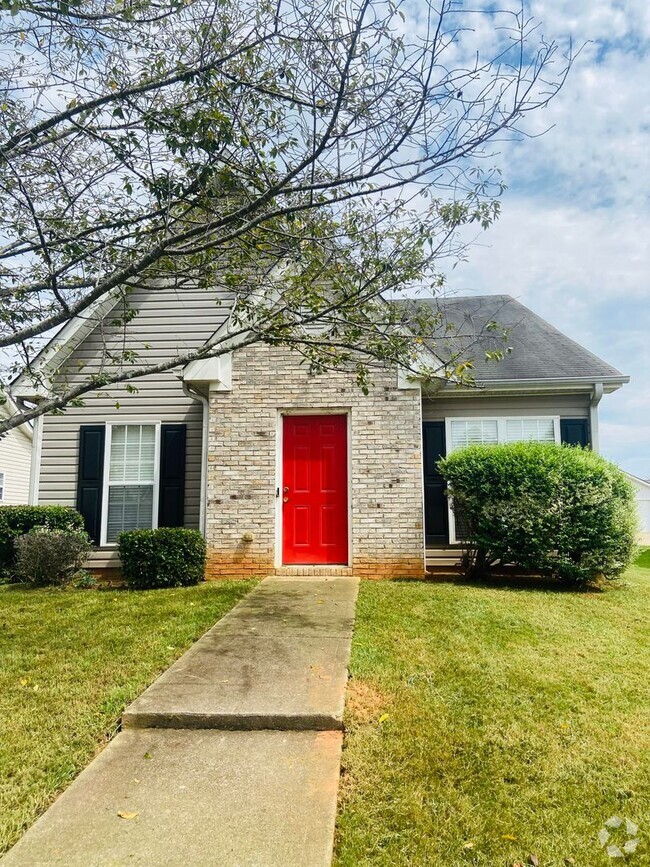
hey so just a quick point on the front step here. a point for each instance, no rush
(443, 559)
(277, 660)
(314, 571)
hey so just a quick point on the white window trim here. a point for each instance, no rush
(3, 485)
(501, 438)
(105, 484)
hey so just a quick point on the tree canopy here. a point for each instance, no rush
(314, 159)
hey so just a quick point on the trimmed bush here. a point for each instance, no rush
(15, 521)
(45, 556)
(562, 511)
(166, 557)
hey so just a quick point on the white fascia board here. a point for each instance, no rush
(586, 382)
(64, 342)
(10, 408)
(526, 386)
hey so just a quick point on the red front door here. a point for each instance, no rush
(314, 489)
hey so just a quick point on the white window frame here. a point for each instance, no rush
(501, 438)
(3, 485)
(105, 484)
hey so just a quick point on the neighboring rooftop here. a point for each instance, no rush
(539, 350)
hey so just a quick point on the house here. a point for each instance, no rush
(642, 493)
(289, 472)
(15, 460)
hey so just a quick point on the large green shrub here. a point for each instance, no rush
(559, 510)
(15, 521)
(166, 557)
(45, 556)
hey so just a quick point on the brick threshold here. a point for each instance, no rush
(334, 571)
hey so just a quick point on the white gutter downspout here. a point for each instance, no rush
(195, 395)
(593, 415)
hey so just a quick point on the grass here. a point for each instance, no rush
(486, 724)
(69, 663)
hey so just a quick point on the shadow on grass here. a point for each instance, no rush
(68, 587)
(16, 586)
(643, 560)
(534, 583)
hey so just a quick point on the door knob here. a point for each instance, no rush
(285, 499)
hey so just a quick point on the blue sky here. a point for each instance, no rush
(572, 242)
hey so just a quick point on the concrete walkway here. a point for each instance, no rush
(231, 757)
(278, 660)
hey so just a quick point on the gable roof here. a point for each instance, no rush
(539, 350)
(36, 383)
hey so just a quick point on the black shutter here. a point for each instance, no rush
(90, 477)
(575, 431)
(171, 502)
(435, 498)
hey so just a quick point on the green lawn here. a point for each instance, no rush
(69, 663)
(487, 724)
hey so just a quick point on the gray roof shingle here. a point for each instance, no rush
(539, 350)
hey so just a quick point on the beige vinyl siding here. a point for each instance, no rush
(564, 405)
(171, 321)
(15, 462)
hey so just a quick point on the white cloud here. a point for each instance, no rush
(598, 148)
(573, 242)
(563, 260)
(595, 19)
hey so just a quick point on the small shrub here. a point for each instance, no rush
(166, 557)
(84, 580)
(559, 510)
(15, 521)
(45, 556)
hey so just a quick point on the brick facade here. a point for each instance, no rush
(385, 458)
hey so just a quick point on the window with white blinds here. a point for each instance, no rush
(490, 431)
(474, 432)
(541, 430)
(131, 478)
